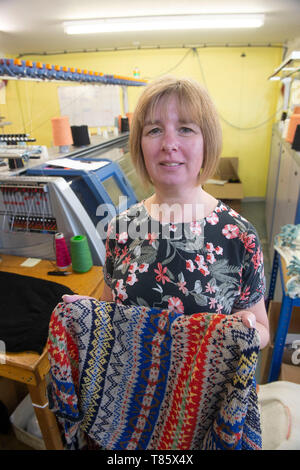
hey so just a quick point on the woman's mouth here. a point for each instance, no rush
(171, 164)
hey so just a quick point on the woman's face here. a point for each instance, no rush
(172, 149)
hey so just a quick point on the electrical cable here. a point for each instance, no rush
(263, 123)
(153, 46)
(20, 106)
(174, 67)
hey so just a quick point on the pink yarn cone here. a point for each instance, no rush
(63, 258)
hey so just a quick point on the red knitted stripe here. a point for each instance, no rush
(192, 370)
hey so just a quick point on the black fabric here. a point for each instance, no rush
(26, 304)
(4, 419)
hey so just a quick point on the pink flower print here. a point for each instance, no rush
(219, 308)
(248, 241)
(212, 303)
(143, 268)
(202, 267)
(124, 251)
(122, 237)
(223, 207)
(233, 213)
(199, 259)
(121, 290)
(175, 305)
(172, 228)
(190, 265)
(196, 227)
(210, 258)
(257, 259)
(126, 260)
(245, 294)
(209, 288)
(133, 267)
(209, 247)
(219, 250)
(212, 219)
(117, 251)
(181, 285)
(131, 279)
(231, 231)
(161, 276)
(151, 237)
(204, 270)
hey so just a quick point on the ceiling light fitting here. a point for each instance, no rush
(166, 23)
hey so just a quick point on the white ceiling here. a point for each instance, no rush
(35, 26)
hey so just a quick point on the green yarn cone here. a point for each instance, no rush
(80, 254)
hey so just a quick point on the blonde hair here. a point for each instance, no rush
(194, 104)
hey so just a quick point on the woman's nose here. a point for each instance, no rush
(169, 142)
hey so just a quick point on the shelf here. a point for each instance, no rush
(16, 69)
(288, 66)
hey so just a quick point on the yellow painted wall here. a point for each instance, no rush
(236, 78)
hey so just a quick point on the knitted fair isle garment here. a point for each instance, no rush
(140, 378)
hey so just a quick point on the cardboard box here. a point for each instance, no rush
(19, 419)
(226, 184)
(288, 372)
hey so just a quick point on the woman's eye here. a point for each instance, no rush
(186, 130)
(153, 131)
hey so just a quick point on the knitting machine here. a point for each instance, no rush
(76, 194)
(33, 209)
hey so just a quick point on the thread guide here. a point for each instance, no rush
(14, 69)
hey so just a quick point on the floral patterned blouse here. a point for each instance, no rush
(213, 265)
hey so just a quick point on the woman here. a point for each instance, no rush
(181, 248)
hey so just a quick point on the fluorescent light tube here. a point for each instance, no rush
(163, 23)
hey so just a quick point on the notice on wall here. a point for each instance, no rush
(2, 92)
(90, 105)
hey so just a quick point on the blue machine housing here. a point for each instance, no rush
(103, 193)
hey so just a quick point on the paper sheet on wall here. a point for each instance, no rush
(91, 105)
(2, 92)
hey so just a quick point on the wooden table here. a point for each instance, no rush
(32, 368)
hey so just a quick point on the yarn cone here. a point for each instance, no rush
(80, 254)
(63, 258)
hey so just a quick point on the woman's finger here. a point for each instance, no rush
(67, 298)
(249, 320)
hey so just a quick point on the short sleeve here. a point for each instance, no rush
(110, 244)
(252, 277)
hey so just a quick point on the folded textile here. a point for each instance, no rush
(287, 244)
(290, 236)
(140, 378)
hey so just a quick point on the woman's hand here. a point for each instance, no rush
(106, 296)
(256, 317)
(68, 299)
(248, 318)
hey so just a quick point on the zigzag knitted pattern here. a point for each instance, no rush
(140, 378)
